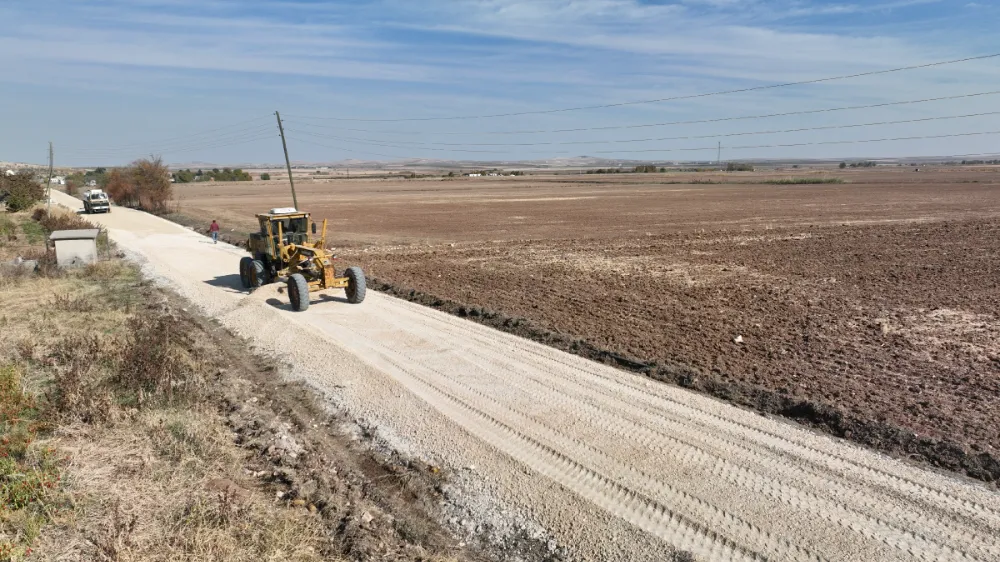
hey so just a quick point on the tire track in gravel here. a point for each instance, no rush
(711, 444)
(913, 544)
(663, 405)
(774, 481)
(676, 525)
(955, 537)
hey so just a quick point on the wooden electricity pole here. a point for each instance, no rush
(49, 204)
(288, 163)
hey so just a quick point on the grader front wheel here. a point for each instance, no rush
(355, 285)
(298, 292)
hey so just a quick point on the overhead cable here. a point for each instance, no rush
(672, 98)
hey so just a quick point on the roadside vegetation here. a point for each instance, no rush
(111, 448)
(215, 174)
(131, 430)
(143, 185)
(20, 191)
(83, 179)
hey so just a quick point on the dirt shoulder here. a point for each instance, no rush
(135, 429)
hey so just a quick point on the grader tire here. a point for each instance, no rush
(298, 292)
(257, 274)
(355, 285)
(245, 265)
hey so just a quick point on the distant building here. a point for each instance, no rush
(58, 180)
(10, 173)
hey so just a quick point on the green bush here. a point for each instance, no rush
(20, 191)
(265, 176)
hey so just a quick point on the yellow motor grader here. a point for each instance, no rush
(282, 248)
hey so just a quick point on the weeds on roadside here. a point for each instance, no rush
(154, 361)
(59, 220)
(29, 474)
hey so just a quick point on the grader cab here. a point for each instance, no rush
(283, 248)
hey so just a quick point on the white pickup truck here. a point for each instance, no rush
(96, 201)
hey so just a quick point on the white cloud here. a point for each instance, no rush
(394, 58)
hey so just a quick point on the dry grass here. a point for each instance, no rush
(170, 485)
(114, 384)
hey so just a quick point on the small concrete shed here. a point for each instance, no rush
(75, 247)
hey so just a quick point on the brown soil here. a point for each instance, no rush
(867, 308)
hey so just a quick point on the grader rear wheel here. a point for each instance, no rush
(298, 292)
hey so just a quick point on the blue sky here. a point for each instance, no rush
(199, 80)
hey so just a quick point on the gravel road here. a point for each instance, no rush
(612, 466)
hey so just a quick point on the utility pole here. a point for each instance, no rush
(288, 163)
(49, 204)
(718, 158)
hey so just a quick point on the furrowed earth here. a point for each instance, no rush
(867, 308)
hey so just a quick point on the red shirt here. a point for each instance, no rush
(214, 227)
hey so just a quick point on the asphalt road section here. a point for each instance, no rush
(614, 466)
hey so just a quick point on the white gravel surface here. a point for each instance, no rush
(611, 465)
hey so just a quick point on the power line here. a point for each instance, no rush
(405, 144)
(672, 98)
(664, 124)
(187, 137)
(230, 138)
(193, 148)
(314, 143)
(383, 145)
(815, 143)
(181, 143)
(693, 149)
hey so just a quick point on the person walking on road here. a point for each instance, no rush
(214, 231)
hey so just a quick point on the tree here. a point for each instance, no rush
(152, 184)
(120, 188)
(20, 191)
(265, 176)
(843, 165)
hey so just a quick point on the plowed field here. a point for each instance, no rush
(869, 308)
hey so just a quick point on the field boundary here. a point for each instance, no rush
(880, 436)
